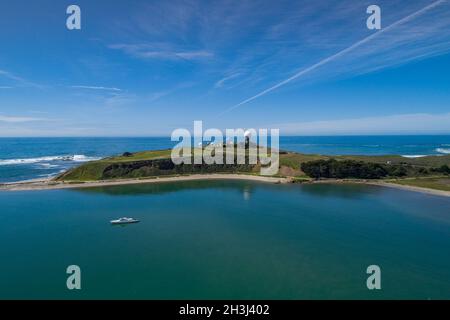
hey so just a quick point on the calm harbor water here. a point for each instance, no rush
(225, 239)
(31, 158)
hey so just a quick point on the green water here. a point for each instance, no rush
(217, 239)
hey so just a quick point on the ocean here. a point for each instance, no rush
(225, 240)
(33, 158)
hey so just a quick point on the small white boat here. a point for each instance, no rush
(124, 221)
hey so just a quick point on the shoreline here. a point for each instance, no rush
(48, 184)
(434, 192)
(386, 184)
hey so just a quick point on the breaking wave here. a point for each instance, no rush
(413, 155)
(71, 158)
(443, 150)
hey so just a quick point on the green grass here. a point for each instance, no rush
(429, 161)
(145, 155)
(93, 171)
(293, 160)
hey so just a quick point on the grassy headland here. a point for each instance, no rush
(426, 172)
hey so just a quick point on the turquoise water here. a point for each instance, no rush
(225, 239)
(31, 158)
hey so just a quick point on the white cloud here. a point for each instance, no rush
(18, 119)
(193, 55)
(96, 88)
(161, 51)
(420, 123)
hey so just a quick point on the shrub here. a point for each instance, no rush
(445, 169)
(344, 169)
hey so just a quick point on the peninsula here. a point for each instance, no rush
(429, 174)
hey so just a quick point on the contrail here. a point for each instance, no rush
(339, 54)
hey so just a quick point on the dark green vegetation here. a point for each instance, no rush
(418, 173)
(347, 169)
(342, 169)
(146, 164)
(161, 167)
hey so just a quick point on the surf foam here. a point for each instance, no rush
(72, 158)
(443, 150)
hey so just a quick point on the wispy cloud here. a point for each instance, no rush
(350, 49)
(11, 76)
(19, 80)
(161, 51)
(155, 96)
(117, 99)
(221, 82)
(15, 119)
(420, 123)
(97, 88)
(6, 87)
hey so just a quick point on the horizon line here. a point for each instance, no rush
(284, 135)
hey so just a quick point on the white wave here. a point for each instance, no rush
(48, 165)
(83, 158)
(73, 158)
(443, 150)
(413, 155)
(46, 175)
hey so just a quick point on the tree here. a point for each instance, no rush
(343, 169)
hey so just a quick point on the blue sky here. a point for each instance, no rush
(142, 68)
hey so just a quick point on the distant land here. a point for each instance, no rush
(427, 174)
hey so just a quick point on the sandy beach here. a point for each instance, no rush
(411, 188)
(46, 184)
(381, 183)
